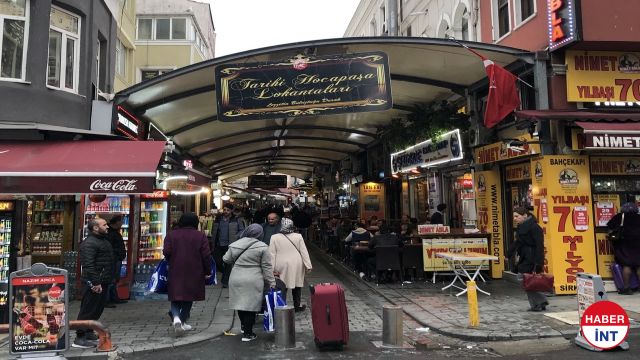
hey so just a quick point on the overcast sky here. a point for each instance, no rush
(250, 24)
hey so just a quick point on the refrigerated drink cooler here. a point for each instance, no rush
(7, 248)
(106, 207)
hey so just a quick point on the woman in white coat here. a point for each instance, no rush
(290, 260)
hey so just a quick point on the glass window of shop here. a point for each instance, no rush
(425, 191)
(461, 201)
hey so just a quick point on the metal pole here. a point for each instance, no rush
(285, 326)
(392, 317)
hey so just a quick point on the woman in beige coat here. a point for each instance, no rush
(290, 260)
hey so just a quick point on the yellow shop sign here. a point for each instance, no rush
(594, 76)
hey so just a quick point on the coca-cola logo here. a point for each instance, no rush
(119, 185)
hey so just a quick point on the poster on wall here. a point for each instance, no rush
(565, 184)
(606, 206)
(489, 209)
(372, 202)
(430, 247)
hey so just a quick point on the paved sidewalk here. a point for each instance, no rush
(503, 315)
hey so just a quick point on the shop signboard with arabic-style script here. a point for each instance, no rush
(304, 86)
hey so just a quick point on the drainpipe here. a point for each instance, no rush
(542, 100)
(392, 17)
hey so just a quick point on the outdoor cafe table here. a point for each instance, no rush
(458, 262)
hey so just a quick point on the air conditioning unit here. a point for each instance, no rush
(478, 135)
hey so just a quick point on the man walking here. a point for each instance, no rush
(119, 254)
(225, 231)
(271, 227)
(96, 258)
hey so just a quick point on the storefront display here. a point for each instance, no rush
(7, 237)
(49, 228)
(614, 181)
(490, 214)
(106, 207)
(153, 226)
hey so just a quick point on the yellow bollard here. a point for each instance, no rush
(472, 297)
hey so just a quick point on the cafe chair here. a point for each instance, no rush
(412, 260)
(388, 259)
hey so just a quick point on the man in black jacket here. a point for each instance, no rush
(96, 258)
(438, 216)
(119, 254)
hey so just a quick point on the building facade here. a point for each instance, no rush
(57, 56)
(170, 35)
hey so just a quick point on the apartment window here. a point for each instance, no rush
(121, 59)
(524, 10)
(503, 17)
(163, 29)
(145, 29)
(64, 50)
(179, 29)
(465, 26)
(13, 22)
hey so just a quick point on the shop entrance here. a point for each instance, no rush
(518, 194)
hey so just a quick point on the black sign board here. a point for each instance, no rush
(563, 23)
(267, 181)
(304, 86)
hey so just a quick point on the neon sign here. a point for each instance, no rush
(562, 24)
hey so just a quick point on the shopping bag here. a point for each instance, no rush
(212, 280)
(538, 282)
(159, 281)
(273, 298)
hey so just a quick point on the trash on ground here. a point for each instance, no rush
(425, 329)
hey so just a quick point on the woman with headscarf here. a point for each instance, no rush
(252, 267)
(187, 251)
(290, 260)
(627, 249)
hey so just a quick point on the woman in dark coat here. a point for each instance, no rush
(627, 249)
(187, 251)
(529, 246)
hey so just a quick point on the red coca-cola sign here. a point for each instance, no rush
(123, 185)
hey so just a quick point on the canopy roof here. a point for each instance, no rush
(182, 104)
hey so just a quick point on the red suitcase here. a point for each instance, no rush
(329, 315)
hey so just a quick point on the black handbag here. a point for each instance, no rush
(615, 235)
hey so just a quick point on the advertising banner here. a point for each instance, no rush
(446, 147)
(563, 185)
(490, 218)
(372, 200)
(518, 172)
(303, 86)
(606, 206)
(38, 314)
(267, 181)
(598, 76)
(431, 247)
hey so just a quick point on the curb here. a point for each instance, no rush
(442, 327)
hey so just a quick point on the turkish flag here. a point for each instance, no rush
(503, 94)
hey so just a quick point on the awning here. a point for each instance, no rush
(79, 167)
(611, 136)
(590, 127)
(578, 115)
(181, 104)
